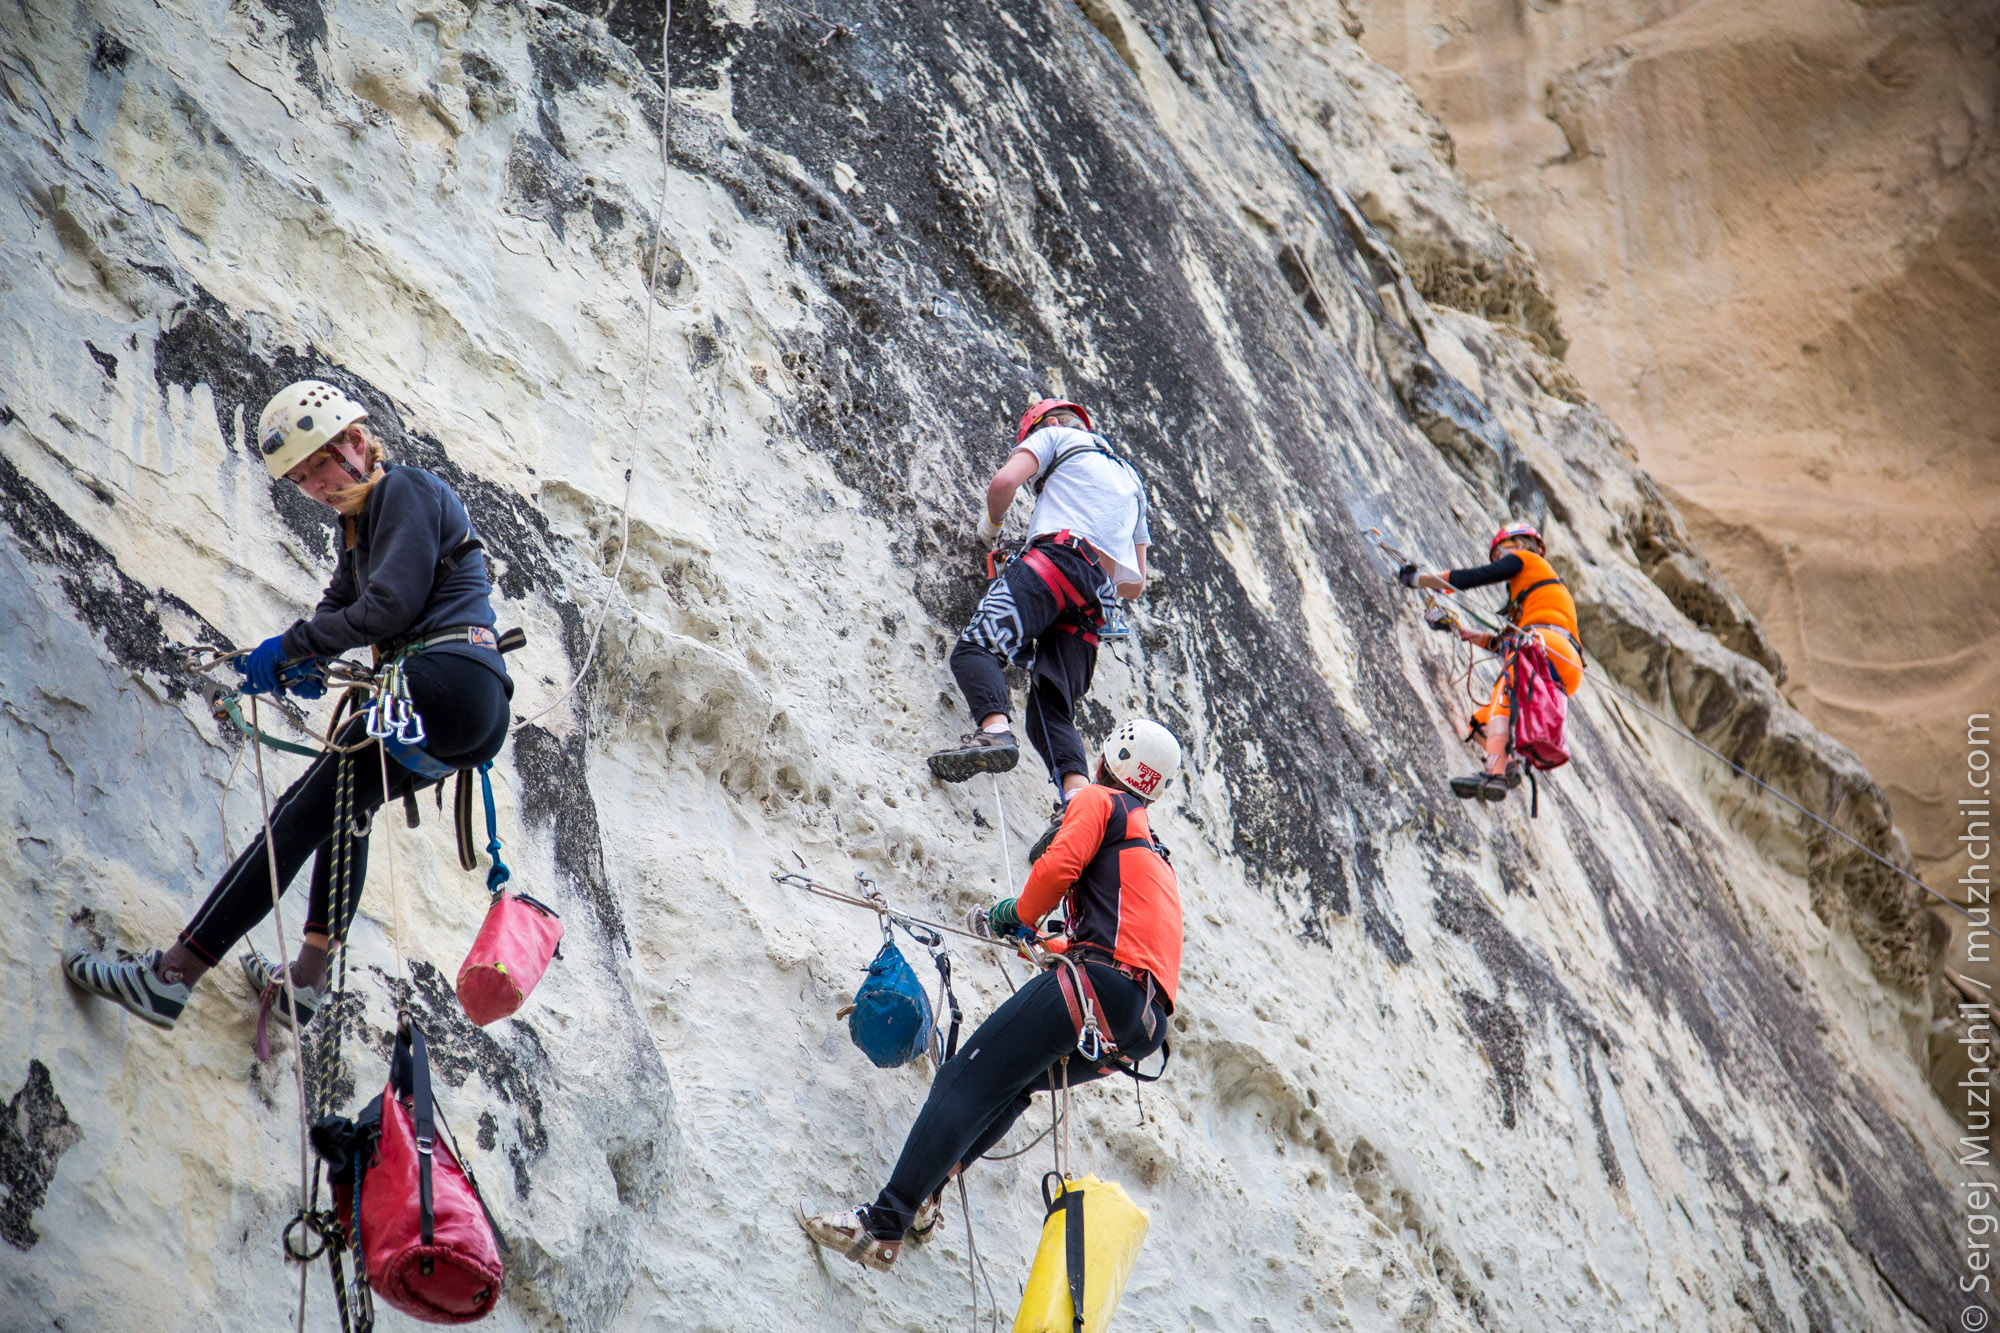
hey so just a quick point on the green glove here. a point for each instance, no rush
(1002, 919)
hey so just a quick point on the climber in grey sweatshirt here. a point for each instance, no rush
(411, 582)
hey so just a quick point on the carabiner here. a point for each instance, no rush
(1090, 1042)
(410, 731)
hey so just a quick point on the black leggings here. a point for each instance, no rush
(982, 1091)
(464, 708)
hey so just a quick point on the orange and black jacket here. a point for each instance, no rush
(1117, 888)
(1536, 595)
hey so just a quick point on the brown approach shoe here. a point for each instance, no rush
(977, 752)
(847, 1233)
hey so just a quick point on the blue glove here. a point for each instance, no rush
(1002, 919)
(306, 680)
(260, 666)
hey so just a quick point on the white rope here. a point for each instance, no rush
(1007, 866)
(291, 990)
(645, 373)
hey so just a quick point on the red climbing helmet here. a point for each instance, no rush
(1516, 530)
(1032, 417)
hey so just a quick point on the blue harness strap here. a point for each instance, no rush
(418, 760)
(499, 874)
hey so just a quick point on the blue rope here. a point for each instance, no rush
(499, 874)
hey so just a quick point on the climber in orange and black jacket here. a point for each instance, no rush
(1539, 603)
(1123, 912)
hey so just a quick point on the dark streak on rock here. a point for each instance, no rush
(105, 361)
(557, 792)
(126, 613)
(34, 1135)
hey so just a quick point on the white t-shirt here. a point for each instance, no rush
(1099, 499)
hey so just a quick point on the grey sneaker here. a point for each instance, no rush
(130, 980)
(977, 752)
(265, 975)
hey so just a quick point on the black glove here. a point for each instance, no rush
(1441, 619)
(1407, 576)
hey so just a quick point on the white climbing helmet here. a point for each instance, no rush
(299, 419)
(1144, 756)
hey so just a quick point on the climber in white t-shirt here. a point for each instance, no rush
(1086, 548)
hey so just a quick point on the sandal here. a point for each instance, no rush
(847, 1233)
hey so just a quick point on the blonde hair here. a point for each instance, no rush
(353, 499)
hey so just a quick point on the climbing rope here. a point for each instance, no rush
(291, 988)
(645, 370)
(1595, 679)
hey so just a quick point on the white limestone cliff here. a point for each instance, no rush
(1651, 1060)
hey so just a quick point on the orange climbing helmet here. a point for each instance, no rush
(1033, 416)
(1516, 530)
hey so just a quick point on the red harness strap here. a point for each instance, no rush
(1087, 615)
(1096, 1045)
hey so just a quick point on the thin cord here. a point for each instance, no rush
(977, 1270)
(645, 371)
(291, 994)
(1744, 772)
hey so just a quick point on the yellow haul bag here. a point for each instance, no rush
(1089, 1244)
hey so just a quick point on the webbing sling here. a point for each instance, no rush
(1070, 1202)
(1096, 446)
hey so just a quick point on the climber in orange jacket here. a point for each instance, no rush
(1539, 603)
(1122, 939)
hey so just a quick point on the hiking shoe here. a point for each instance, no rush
(924, 1225)
(1467, 788)
(847, 1233)
(130, 980)
(1493, 786)
(977, 752)
(1048, 834)
(1513, 774)
(266, 976)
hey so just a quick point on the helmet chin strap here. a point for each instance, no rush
(347, 467)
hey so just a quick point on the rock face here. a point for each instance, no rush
(1771, 230)
(1650, 1060)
